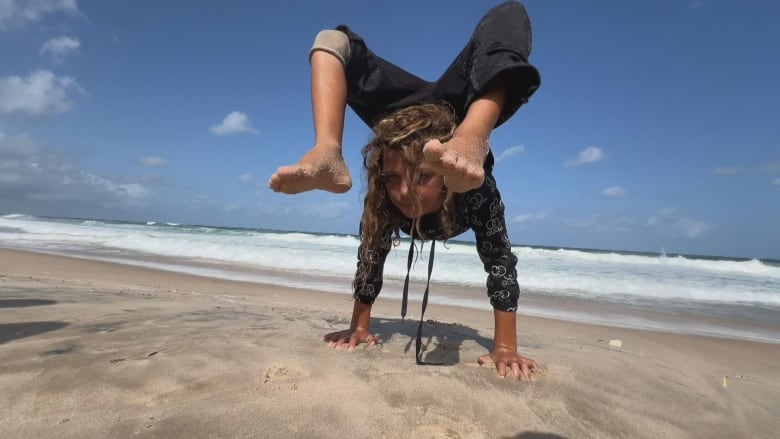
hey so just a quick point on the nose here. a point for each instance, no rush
(403, 189)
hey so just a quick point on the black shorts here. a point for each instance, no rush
(500, 44)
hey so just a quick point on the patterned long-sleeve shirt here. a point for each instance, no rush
(480, 210)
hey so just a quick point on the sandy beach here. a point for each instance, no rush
(94, 349)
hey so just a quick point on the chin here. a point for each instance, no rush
(407, 212)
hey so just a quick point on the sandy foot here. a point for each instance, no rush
(460, 161)
(316, 170)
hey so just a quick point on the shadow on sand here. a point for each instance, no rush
(22, 303)
(13, 331)
(536, 435)
(441, 342)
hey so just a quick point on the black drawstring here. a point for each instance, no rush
(405, 298)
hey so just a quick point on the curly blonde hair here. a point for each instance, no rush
(406, 130)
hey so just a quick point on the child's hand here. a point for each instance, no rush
(350, 338)
(503, 358)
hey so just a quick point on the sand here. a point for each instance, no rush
(100, 350)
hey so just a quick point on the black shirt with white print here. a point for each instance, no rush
(480, 210)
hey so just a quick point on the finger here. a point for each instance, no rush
(484, 359)
(333, 335)
(341, 341)
(525, 372)
(531, 363)
(450, 159)
(329, 339)
(501, 369)
(434, 151)
(516, 370)
(353, 342)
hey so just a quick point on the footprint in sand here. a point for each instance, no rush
(434, 431)
(275, 374)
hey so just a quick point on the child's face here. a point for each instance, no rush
(430, 186)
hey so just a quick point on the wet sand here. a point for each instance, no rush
(95, 349)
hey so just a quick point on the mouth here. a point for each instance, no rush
(407, 209)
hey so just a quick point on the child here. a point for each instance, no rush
(428, 166)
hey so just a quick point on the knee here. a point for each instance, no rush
(334, 42)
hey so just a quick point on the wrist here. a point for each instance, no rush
(361, 316)
(505, 335)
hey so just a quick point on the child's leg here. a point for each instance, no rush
(373, 88)
(488, 81)
(322, 167)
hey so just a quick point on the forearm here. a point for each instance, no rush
(361, 316)
(505, 336)
(484, 111)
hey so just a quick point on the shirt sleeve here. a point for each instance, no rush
(367, 291)
(486, 218)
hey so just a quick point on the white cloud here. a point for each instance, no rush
(152, 161)
(771, 167)
(581, 222)
(42, 92)
(776, 181)
(246, 178)
(60, 47)
(18, 13)
(274, 208)
(129, 191)
(608, 222)
(614, 192)
(590, 154)
(696, 4)
(526, 218)
(728, 170)
(326, 209)
(235, 122)
(515, 150)
(668, 221)
(37, 179)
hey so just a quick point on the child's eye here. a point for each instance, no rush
(390, 179)
(424, 177)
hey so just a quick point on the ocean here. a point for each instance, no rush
(703, 295)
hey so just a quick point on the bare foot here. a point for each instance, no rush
(460, 161)
(316, 170)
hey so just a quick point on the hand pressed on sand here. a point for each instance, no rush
(350, 338)
(504, 357)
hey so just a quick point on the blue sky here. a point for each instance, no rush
(656, 126)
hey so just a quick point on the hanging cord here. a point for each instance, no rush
(405, 298)
(418, 344)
